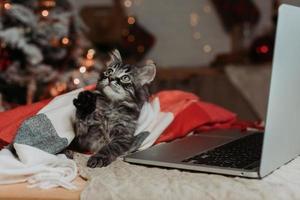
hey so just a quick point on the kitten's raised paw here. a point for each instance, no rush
(85, 101)
(98, 161)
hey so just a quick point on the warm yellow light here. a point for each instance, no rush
(91, 51)
(128, 3)
(207, 48)
(76, 81)
(90, 54)
(7, 6)
(131, 20)
(194, 19)
(45, 13)
(82, 69)
(65, 40)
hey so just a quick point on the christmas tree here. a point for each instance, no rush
(43, 50)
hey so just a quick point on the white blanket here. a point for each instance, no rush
(37, 167)
(52, 131)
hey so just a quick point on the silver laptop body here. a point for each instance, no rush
(281, 141)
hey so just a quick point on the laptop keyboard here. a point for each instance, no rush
(243, 153)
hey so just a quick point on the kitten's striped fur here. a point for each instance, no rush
(106, 119)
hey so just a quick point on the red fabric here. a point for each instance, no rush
(12, 119)
(190, 113)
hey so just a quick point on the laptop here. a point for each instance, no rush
(250, 154)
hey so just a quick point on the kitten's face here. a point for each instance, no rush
(117, 82)
(120, 82)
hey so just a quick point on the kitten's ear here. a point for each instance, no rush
(147, 74)
(115, 57)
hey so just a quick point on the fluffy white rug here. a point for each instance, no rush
(121, 180)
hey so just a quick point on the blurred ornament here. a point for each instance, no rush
(262, 47)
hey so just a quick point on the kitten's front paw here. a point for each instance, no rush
(98, 161)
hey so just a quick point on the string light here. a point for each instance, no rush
(65, 40)
(45, 13)
(207, 48)
(76, 81)
(90, 54)
(262, 49)
(82, 69)
(91, 51)
(127, 3)
(194, 19)
(131, 20)
(7, 6)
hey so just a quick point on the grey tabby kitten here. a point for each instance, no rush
(106, 118)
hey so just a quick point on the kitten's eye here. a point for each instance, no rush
(125, 78)
(108, 72)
